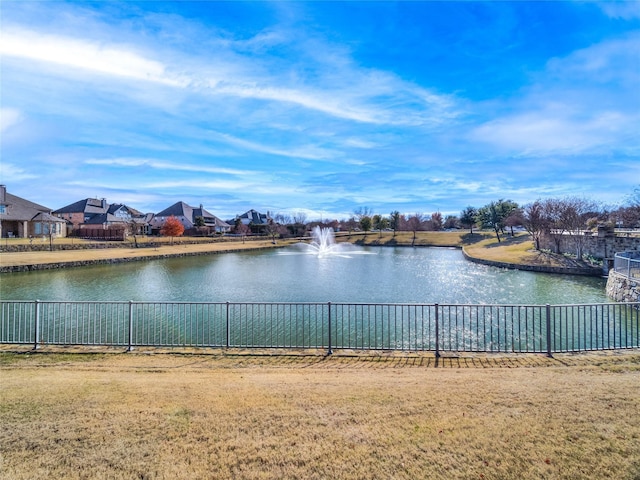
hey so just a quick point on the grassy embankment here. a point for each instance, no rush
(517, 250)
(159, 249)
(288, 417)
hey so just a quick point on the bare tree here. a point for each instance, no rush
(362, 212)
(351, 224)
(274, 230)
(535, 222)
(450, 221)
(242, 230)
(573, 219)
(436, 221)
(415, 223)
(552, 212)
(514, 219)
(299, 217)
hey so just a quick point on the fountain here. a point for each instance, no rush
(323, 243)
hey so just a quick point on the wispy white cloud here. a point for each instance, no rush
(11, 172)
(8, 118)
(543, 132)
(310, 152)
(166, 166)
(585, 102)
(288, 110)
(371, 96)
(624, 9)
(85, 54)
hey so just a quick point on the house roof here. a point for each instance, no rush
(102, 218)
(48, 218)
(113, 208)
(178, 209)
(181, 209)
(20, 209)
(88, 205)
(255, 217)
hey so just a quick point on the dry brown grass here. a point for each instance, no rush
(287, 417)
(519, 250)
(63, 256)
(431, 239)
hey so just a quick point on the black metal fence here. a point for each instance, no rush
(355, 326)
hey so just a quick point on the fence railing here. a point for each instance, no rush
(628, 264)
(328, 326)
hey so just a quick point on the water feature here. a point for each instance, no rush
(384, 275)
(323, 243)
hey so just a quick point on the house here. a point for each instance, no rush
(92, 214)
(22, 218)
(82, 211)
(192, 218)
(255, 220)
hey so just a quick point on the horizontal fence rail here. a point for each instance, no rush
(627, 264)
(326, 326)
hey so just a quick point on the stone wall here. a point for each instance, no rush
(596, 245)
(622, 289)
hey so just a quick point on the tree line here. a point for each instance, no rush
(556, 218)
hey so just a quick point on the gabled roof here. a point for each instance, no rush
(47, 218)
(20, 209)
(181, 209)
(255, 217)
(113, 208)
(88, 205)
(178, 209)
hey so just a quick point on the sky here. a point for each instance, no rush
(319, 108)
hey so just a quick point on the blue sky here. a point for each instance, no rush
(319, 107)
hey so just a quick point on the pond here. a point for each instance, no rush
(369, 275)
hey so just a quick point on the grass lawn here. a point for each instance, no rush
(432, 239)
(222, 416)
(519, 250)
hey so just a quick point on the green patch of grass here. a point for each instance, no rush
(31, 357)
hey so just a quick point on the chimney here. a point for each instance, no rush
(104, 203)
(3, 194)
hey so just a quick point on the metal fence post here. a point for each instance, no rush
(437, 308)
(329, 350)
(548, 318)
(228, 326)
(36, 329)
(130, 346)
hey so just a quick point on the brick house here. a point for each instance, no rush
(188, 216)
(22, 218)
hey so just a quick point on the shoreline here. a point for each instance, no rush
(586, 271)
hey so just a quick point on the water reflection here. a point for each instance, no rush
(386, 275)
